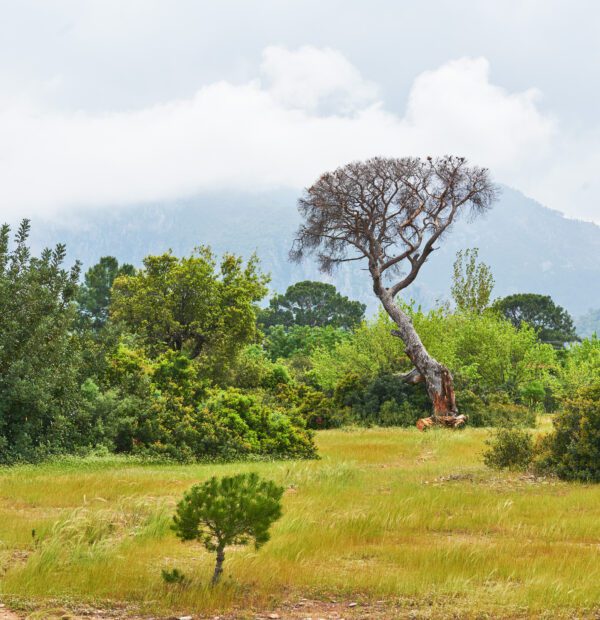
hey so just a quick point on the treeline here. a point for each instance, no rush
(177, 359)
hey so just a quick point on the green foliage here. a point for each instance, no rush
(253, 369)
(368, 352)
(40, 355)
(572, 450)
(95, 292)
(192, 306)
(174, 577)
(581, 365)
(552, 323)
(509, 448)
(487, 354)
(496, 410)
(312, 406)
(163, 409)
(301, 340)
(313, 304)
(496, 366)
(384, 400)
(233, 510)
(472, 282)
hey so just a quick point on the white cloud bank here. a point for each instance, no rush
(310, 110)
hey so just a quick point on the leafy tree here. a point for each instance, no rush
(472, 282)
(313, 304)
(390, 214)
(552, 323)
(39, 351)
(192, 306)
(231, 511)
(95, 292)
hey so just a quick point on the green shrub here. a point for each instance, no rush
(227, 425)
(174, 577)
(392, 413)
(385, 400)
(572, 450)
(499, 411)
(312, 407)
(509, 448)
(231, 511)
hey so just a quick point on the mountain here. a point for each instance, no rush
(529, 247)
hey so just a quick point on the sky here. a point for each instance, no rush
(108, 103)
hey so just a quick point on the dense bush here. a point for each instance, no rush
(499, 410)
(164, 409)
(312, 406)
(572, 450)
(253, 369)
(509, 448)
(384, 400)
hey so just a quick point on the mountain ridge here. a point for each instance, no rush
(529, 247)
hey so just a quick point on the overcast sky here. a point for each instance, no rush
(119, 102)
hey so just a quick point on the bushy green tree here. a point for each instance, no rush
(552, 323)
(313, 304)
(193, 306)
(95, 292)
(253, 369)
(39, 351)
(233, 510)
(472, 282)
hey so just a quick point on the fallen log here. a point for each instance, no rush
(448, 421)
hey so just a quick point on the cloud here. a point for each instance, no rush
(307, 111)
(315, 79)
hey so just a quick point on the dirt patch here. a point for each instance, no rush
(308, 609)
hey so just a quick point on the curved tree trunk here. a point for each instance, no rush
(437, 378)
(218, 566)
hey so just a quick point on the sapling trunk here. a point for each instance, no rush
(218, 566)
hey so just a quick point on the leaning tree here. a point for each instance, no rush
(392, 213)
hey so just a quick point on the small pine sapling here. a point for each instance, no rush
(233, 510)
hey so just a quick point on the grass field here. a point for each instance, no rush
(412, 521)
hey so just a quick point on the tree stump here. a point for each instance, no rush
(448, 421)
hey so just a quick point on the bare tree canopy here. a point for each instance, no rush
(392, 212)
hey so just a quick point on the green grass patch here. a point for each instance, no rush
(384, 514)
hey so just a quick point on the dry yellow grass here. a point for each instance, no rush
(392, 514)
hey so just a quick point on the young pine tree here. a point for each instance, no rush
(231, 511)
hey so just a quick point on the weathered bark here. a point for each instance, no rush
(218, 566)
(437, 378)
